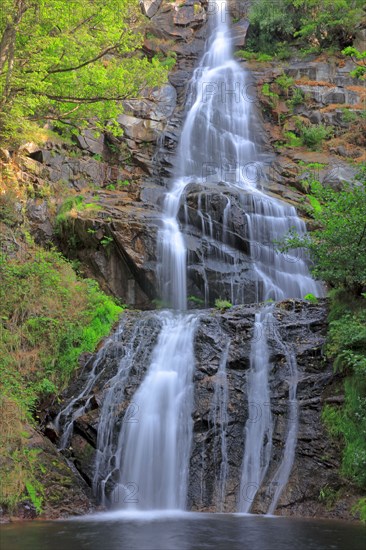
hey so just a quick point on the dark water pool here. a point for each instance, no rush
(183, 532)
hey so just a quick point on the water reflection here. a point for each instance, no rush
(183, 531)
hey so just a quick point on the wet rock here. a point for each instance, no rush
(51, 432)
(302, 327)
(64, 492)
(83, 457)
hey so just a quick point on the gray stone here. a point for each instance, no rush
(158, 108)
(239, 32)
(150, 7)
(140, 129)
(339, 174)
(87, 141)
(360, 40)
(301, 326)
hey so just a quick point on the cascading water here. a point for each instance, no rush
(220, 152)
(259, 426)
(153, 454)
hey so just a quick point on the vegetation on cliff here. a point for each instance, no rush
(337, 247)
(69, 62)
(338, 250)
(315, 25)
(48, 318)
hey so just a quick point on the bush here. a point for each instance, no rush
(271, 22)
(329, 23)
(346, 346)
(223, 304)
(292, 140)
(337, 248)
(313, 136)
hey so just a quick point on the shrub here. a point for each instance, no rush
(311, 298)
(337, 247)
(329, 23)
(298, 98)
(285, 82)
(223, 304)
(346, 346)
(292, 140)
(314, 135)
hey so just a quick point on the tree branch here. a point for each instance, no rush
(83, 100)
(77, 67)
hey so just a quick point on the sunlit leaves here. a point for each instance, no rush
(73, 60)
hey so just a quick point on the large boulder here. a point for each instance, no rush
(150, 7)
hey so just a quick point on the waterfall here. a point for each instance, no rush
(146, 465)
(153, 454)
(76, 407)
(281, 476)
(259, 426)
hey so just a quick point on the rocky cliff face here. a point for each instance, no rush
(302, 328)
(116, 244)
(126, 178)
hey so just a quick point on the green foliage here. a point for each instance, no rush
(292, 140)
(346, 346)
(318, 24)
(196, 300)
(49, 317)
(19, 463)
(359, 59)
(311, 298)
(245, 54)
(349, 116)
(70, 209)
(223, 304)
(168, 61)
(297, 98)
(264, 57)
(34, 495)
(106, 241)
(271, 22)
(122, 183)
(328, 495)
(338, 247)
(71, 62)
(314, 135)
(360, 508)
(272, 96)
(285, 82)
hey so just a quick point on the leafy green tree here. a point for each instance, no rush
(359, 59)
(338, 246)
(67, 61)
(320, 23)
(328, 22)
